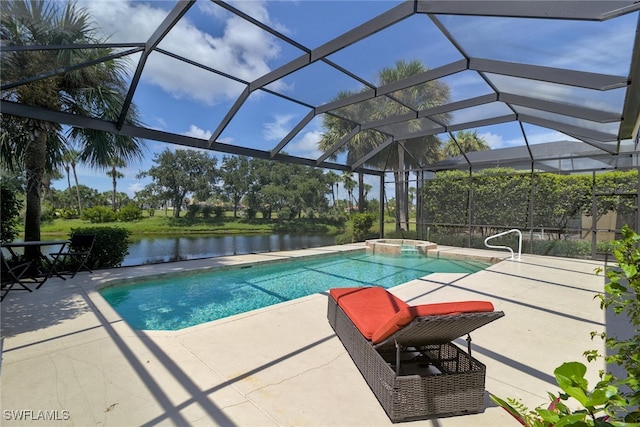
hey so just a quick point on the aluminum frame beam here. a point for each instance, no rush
(38, 113)
(163, 29)
(565, 9)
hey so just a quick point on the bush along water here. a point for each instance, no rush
(613, 401)
(110, 248)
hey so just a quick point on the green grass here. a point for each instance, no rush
(161, 225)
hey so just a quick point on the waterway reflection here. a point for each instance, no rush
(164, 249)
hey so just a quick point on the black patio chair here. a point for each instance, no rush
(74, 258)
(13, 274)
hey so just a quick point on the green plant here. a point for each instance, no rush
(401, 234)
(361, 223)
(10, 214)
(129, 213)
(110, 248)
(218, 211)
(99, 214)
(571, 379)
(192, 211)
(622, 296)
(69, 213)
(47, 213)
(613, 401)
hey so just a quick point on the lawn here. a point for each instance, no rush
(160, 224)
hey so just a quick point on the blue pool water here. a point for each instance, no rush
(178, 302)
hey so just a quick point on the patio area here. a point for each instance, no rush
(67, 355)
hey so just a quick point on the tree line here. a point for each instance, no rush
(187, 177)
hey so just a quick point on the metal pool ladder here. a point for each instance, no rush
(514, 230)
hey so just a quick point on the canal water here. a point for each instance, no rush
(164, 249)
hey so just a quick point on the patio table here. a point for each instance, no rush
(51, 264)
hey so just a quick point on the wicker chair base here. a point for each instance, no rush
(436, 380)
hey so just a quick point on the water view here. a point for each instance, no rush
(151, 250)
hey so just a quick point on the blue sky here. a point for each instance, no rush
(183, 99)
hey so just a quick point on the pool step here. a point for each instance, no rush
(408, 251)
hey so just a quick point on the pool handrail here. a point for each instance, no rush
(513, 230)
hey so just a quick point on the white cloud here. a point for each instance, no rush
(239, 48)
(279, 128)
(135, 187)
(195, 132)
(306, 146)
(494, 140)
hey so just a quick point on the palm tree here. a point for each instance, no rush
(75, 179)
(333, 179)
(70, 157)
(401, 154)
(67, 168)
(115, 174)
(349, 185)
(97, 90)
(465, 142)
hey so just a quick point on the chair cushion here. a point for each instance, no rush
(368, 308)
(406, 314)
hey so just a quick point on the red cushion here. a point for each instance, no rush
(368, 308)
(405, 315)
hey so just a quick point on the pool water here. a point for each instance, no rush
(178, 302)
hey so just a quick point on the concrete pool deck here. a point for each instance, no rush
(67, 355)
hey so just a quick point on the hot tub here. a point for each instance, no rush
(400, 246)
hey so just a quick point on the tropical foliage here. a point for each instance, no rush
(10, 207)
(53, 79)
(375, 146)
(464, 142)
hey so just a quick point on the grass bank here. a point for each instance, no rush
(161, 225)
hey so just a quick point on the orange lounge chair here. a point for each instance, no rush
(405, 352)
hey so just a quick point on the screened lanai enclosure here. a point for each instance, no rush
(377, 88)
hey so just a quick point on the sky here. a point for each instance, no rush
(177, 97)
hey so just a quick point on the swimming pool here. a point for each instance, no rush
(177, 302)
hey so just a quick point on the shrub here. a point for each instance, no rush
(10, 214)
(401, 234)
(99, 214)
(110, 248)
(69, 213)
(206, 211)
(361, 223)
(285, 213)
(129, 213)
(334, 218)
(562, 248)
(192, 211)
(47, 213)
(218, 211)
